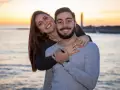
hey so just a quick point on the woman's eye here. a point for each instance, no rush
(39, 24)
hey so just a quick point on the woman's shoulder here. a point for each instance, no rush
(47, 43)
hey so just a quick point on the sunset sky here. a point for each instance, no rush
(96, 12)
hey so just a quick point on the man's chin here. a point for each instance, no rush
(65, 36)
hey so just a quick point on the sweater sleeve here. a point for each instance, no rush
(89, 77)
(42, 62)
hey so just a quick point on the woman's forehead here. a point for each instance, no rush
(42, 15)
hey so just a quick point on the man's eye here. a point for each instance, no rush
(69, 21)
(59, 22)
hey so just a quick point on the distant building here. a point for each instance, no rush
(81, 20)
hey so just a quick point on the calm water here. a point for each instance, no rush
(15, 70)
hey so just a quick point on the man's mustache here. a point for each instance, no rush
(65, 28)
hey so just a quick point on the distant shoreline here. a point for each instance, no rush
(87, 29)
(14, 28)
(102, 29)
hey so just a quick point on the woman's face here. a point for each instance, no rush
(45, 23)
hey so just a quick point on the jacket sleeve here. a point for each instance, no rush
(89, 77)
(42, 62)
(79, 32)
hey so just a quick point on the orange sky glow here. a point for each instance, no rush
(96, 12)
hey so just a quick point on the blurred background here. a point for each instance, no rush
(99, 18)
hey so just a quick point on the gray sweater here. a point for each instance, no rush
(80, 73)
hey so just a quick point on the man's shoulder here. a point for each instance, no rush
(91, 45)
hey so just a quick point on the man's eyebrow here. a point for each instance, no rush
(59, 19)
(68, 18)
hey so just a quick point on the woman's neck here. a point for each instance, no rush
(54, 36)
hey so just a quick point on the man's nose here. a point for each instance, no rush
(65, 24)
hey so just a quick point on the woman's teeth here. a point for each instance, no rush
(48, 26)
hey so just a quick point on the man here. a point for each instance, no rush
(82, 70)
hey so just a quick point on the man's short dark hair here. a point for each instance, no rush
(64, 9)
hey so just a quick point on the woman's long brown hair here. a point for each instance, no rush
(35, 39)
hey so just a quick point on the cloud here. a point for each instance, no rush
(4, 1)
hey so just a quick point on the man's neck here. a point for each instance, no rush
(70, 41)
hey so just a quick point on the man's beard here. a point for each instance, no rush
(66, 36)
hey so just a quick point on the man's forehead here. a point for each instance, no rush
(64, 15)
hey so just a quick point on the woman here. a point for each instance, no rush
(43, 35)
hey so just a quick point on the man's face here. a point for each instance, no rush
(45, 23)
(65, 25)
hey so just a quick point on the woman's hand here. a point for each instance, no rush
(82, 40)
(71, 49)
(61, 56)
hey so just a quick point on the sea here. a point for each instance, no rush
(15, 67)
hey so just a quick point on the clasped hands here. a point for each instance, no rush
(62, 55)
